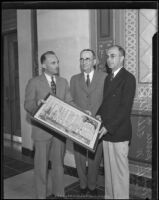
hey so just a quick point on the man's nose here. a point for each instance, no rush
(85, 62)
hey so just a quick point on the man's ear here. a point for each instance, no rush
(121, 59)
(94, 61)
(44, 66)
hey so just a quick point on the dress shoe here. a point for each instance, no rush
(50, 196)
(93, 193)
(55, 197)
(83, 191)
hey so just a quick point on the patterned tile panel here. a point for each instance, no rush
(147, 28)
(140, 26)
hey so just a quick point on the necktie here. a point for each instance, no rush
(53, 86)
(111, 76)
(88, 80)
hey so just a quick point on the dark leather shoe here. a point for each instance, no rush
(83, 191)
(55, 197)
(93, 193)
(50, 196)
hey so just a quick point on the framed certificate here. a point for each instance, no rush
(68, 121)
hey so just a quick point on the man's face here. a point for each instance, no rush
(87, 61)
(51, 64)
(114, 58)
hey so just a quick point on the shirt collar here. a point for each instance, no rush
(90, 75)
(116, 71)
(48, 77)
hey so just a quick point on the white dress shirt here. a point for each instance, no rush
(90, 75)
(48, 77)
(116, 71)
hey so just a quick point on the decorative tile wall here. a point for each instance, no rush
(148, 26)
(140, 26)
(131, 41)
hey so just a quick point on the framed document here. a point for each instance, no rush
(69, 121)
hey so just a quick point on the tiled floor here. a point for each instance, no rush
(19, 184)
(18, 176)
(14, 167)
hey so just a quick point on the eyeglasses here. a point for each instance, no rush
(86, 59)
(55, 62)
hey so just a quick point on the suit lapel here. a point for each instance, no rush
(44, 80)
(112, 85)
(82, 83)
(93, 84)
(47, 86)
(58, 86)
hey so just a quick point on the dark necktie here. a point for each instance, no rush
(88, 80)
(53, 86)
(111, 76)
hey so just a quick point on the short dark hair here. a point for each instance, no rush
(121, 49)
(43, 56)
(94, 55)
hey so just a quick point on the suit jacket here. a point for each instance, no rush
(116, 106)
(36, 89)
(88, 98)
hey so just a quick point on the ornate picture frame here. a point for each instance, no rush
(68, 121)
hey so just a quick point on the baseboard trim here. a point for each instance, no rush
(28, 152)
(15, 138)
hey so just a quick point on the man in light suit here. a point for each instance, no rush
(115, 111)
(87, 93)
(48, 144)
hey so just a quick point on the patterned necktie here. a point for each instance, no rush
(88, 80)
(53, 85)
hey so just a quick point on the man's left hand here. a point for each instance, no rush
(98, 117)
(88, 112)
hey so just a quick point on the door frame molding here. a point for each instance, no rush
(9, 136)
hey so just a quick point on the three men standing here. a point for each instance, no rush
(109, 99)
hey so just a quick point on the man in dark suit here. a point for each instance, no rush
(87, 92)
(115, 111)
(47, 144)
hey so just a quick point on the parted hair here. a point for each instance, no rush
(43, 56)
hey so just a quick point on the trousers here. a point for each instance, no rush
(116, 170)
(88, 180)
(53, 150)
